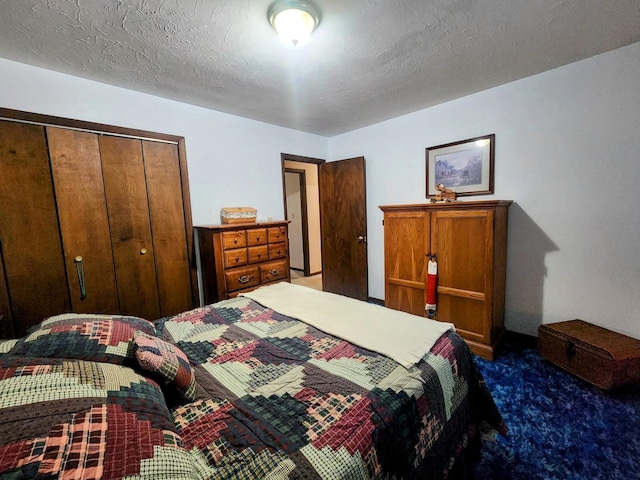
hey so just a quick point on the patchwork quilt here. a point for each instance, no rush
(280, 397)
(232, 390)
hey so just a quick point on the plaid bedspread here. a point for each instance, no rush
(281, 399)
(76, 419)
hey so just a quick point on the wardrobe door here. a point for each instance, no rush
(34, 272)
(133, 252)
(164, 190)
(84, 226)
(463, 242)
(406, 240)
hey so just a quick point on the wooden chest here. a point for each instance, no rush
(602, 357)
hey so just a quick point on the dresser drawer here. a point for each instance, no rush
(272, 271)
(277, 234)
(234, 239)
(242, 278)
(236, 257)
(277, 250)
(258, 254)
(257, 236)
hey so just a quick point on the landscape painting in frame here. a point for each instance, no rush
(466, 167)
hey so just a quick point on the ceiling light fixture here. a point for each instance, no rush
(293, 20)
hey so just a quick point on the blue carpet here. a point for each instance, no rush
(560, 427)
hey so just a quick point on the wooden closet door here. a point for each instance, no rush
(133, 252)
(36, 283)
(463, 242)
(164, 190)
(84, 226)
(406, 240)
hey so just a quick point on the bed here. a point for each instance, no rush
(238, 389)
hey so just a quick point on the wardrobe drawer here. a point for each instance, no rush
(277, 234)
(257, 236)
(242, 278)
(235, 258)
(277, 250)
(272, 271)
(258, 254)
(234, 239)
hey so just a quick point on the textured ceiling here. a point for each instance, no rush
(367, 62)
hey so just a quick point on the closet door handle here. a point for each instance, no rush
(143, 251)
(79, 261)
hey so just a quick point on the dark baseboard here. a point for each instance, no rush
(377, 301)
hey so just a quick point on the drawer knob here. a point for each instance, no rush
(259, 255)
(278, 252)
(143, 251)
(245, 279)
(237, 259)
(257, 239)
(274, 272)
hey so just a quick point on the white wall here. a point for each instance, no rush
(567, 144)
(232, 161)
(568, 154)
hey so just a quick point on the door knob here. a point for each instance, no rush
(362, 239)
(143, 251)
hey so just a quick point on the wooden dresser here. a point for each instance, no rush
(236, 258)
(469, 240)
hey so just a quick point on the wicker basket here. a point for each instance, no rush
(238, 215)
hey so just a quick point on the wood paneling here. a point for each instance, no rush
(31, 246)
(74, 189)
(168, 226)
(130, 227)
(84, 225)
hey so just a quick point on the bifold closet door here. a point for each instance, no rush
(84, 224)
(166, 208)
(34, 280)
(128, 208)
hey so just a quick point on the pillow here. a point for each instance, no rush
(7, 345)
(167, 361)
(82, 336)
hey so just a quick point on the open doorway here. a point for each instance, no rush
(302, 209)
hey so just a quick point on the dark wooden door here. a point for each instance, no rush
(84, 225)
(343, 225)
(168, 226)
(36, 283)
(130, 227)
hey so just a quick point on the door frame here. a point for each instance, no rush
(302, 178)
(287, 157)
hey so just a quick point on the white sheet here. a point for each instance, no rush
(404, 337)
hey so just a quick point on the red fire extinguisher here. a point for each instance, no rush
(432, 286)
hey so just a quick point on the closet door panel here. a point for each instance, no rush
(168, 228)
(133, 254)
(31, 250)
(84, 226)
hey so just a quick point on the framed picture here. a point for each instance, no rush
(466, 167)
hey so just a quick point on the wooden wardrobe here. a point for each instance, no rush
(469, 240)
(93, 219)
